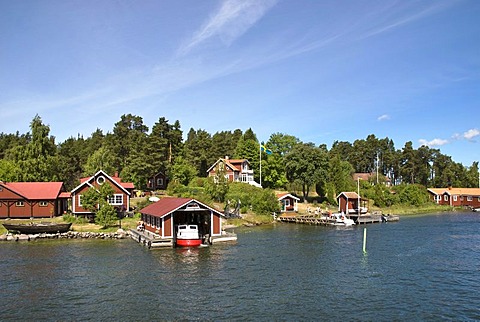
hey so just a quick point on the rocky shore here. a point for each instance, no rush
(119, 234)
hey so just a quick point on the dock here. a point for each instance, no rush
(324, 219)
(152, 240)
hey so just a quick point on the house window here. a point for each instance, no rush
(43, 203)
(116, 199)
(79, 200)
(454, 198)
(159, 181)
(469, 198)
(287, 202)
(101, 180)
(445, 197)
(19, 204)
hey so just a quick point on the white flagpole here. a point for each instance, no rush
(260, 150)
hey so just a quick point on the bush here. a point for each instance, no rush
(260, 201)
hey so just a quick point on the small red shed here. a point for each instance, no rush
(288, 202)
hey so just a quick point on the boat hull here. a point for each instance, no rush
(39, 228)
(189, 242)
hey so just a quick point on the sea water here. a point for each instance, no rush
(420, 268)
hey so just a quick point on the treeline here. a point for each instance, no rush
(137, 153)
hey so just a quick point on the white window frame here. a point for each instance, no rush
(116, 199)
(19, 203)
(469, 198)
(43, 203)
(80, 200)
(287, 202)
(455, 198)
(101, 180)
(159, 181)
(445, 197)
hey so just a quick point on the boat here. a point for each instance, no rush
(38, 228)
(339, 219)
(188, 236)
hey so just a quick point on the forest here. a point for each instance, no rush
(137, 152)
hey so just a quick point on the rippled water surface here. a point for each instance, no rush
(421, 268)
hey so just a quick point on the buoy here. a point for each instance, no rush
(364, 240)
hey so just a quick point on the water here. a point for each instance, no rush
(421, 268)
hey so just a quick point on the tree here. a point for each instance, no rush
(101, 159)
(281, 144)
(182, 171)
(307, 165)
(197, 151)
(37, 160)
(96, 201)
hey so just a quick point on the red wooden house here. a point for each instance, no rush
(456, 197)
(32, 199)
(120, 198)
(235, 170)
(288, 202)
(157, 182)
(163, 216)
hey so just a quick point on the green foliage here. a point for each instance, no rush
(217, 187)
(101, 159)
(106, 215)
(260, 201)
(182, 171)
(412, 194)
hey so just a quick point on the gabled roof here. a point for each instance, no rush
(231, 163)
(350, 195)
(36, 190)
(455, 191)
(116, 180)
(281, 196)
(166, 206)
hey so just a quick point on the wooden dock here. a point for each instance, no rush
(324, 219)
(151, 240)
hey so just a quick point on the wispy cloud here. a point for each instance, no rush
(232, 20)
(383, 117)
(470, 134)
(434, 142)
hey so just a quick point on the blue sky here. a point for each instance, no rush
(319, 70)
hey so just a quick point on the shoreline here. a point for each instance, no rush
(119, 234)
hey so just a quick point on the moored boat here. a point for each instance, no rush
(188, 236)
(38, 228)
(340, 220)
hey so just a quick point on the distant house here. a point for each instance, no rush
(288, 202)
(120, 199)
(350, 202)
(456, 197)
(157, 182)
(235, 170)
(32, 199)
(164, 216)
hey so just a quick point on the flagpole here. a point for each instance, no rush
(260, 150)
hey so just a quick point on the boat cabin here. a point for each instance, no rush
(165, 216)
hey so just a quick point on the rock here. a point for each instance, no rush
(23, 237)
(3, 237)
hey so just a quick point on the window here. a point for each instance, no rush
(43, 203)
(469, 198)
(79, 200)
(19, 204)
(100, 180)
(116, 199)
(445, 197)
(287, 202)
(159, 181)
(454, 198)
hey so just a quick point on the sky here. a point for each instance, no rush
(320, 70)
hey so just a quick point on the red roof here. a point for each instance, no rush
(36, 190)
(168, 205)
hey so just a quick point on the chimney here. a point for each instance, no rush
(116, 174)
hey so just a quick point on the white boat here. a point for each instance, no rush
(188, 236)
(339, 219)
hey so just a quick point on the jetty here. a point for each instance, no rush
(152, 240)
(326, 219)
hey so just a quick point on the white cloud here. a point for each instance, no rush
(383, 117)
(231, 21)
(434, 142)
(470, 134)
